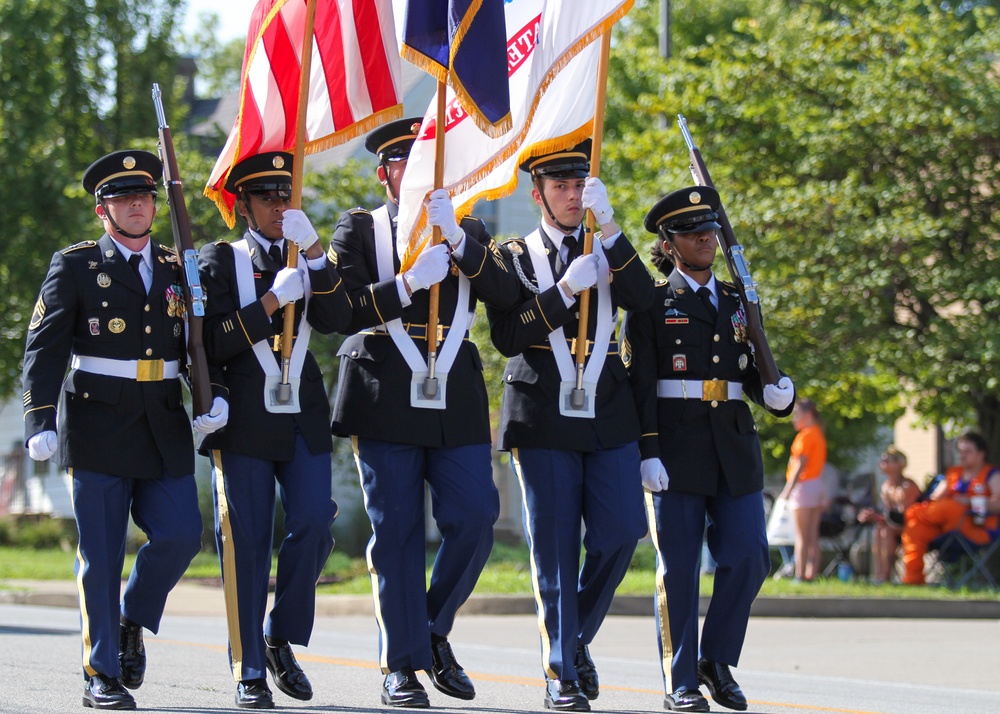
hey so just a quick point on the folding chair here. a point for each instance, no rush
(964, 563)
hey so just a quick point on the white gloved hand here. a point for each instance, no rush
(430, 268)
(295, 226)
(288, 286)
(654, 475)
(581, 274)
(441, 213)
(42, 445)
(217, 417)
(779, 396)
(595, 197)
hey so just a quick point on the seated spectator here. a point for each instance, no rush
(949, 504)
(898, 493)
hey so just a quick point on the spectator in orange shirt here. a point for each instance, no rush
(898, 493)
(804, 488)
(949, 505)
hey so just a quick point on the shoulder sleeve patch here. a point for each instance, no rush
(37, 314)
(78, 246)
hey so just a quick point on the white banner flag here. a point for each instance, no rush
(552, 73)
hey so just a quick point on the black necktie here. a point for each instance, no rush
(275, 252)
(134, 260)
(570, 243)
(706, 298)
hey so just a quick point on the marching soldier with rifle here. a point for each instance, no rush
(692, 357)
(112, 310)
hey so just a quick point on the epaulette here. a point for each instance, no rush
(515, 245)
(660, 283)
(731, 286)
(474, 218)
(78, 246)
(168, 248)
(222, 242)
(355, 211)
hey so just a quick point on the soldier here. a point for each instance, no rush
(399, 443)
(690, 364)
(266, 441)
(572, 466)
(112, 311)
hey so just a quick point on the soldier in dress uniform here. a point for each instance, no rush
(573, 467)
(247, 282)
(401, 445)
(690, 364)
(111, 310)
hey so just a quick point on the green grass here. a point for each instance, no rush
(507, 573)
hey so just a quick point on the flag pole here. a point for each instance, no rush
(430, 386)
(578, 395)
(283, 395)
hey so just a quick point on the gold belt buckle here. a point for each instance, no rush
(149, 370)
(714, 390)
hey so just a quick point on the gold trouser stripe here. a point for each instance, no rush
(383, 657)
(661, 596)
(88, 646)
(230, 589)
(515, 460)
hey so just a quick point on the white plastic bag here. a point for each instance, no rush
(781, 524)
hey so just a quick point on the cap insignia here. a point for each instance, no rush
(694, 197)
(128, 162)
(278, 162)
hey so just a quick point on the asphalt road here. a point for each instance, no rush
(789, 665)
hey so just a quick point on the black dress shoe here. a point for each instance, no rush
(565, 695)
(131, 654)
(721, 685)
(446, 673)
(254, 694)
(288, 675)
(103, 692)
(587, 672)
(686, 700)
(403, 689)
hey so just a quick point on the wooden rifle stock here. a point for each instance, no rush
(738, 267)
(194, 297)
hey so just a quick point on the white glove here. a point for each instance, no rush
(779, 396)
(430, 268)
(296, 227)
(595, 197)
(217, 417)
(581, 274)
(654, 475)
(288, 286)
(441, 213)
(42, 445)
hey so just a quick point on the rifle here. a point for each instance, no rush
(738, 267)
(194, 297)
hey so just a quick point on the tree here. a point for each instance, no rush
(857, 147)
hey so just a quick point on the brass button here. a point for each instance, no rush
(104, 304)
(677, 342)
(86, 395)
(510, 377)
(715, 358)
(354, 354)
(715, 403)
(149, 351)
(148, 329)
(146, 308)
(716, 338)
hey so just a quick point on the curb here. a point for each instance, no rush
(192, 599)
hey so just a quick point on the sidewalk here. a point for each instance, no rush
(193, 599)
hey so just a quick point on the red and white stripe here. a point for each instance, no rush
(353, 83)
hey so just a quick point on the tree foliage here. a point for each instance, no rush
(857, 147)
